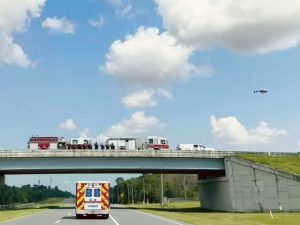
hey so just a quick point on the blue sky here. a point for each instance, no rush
(185, 70)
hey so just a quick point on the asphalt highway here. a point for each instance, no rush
(118, 216)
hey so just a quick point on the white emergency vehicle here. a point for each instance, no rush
(194, 147)
(92, 198)
(80, 143)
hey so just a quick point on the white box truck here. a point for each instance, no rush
(123, 143)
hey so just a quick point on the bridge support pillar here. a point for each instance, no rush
(215, 194)
(2, 179)
(250, 187)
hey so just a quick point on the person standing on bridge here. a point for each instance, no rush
(112, 146)
(96, 145)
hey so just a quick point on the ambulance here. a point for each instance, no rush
(92, 198)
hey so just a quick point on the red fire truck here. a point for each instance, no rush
(157, 143)
(45, 143)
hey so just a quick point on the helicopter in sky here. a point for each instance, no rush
(262, 91)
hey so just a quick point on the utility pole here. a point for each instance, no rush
(144, 199)
(184, 186)
(132, 202)
(162, 189)
(128, 193)
(117, 195)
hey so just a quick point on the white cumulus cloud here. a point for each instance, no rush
(257, 26)
(123, 7)
(145, 97)
(85, 133)
(15, 17)
(60, 25)
(69, 124)
(164, 93)
(148, 57)
(97, 22)
(231, 131)
(137, 124)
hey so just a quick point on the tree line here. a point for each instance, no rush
(147, 188)
(29, 194)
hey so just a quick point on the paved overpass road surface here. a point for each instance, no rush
(118, 216)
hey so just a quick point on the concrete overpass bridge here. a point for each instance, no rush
(111, 161)
(225, 182)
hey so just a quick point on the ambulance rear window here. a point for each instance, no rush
(97, 192)
(88, 192)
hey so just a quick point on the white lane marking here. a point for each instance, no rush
(113, 219)
(57, 221)
(170, 221)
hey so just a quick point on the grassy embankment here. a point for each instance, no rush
(289, 164)
(190, 212)
(32, 208)
(12, 214)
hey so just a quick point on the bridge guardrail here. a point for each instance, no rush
(112, 153)
(131, 154)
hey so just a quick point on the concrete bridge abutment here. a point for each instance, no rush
(250, 187)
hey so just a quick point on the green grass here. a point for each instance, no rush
(12, 214)
(190, 212)
(51, 203)
(289, 164)
(35, 208)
